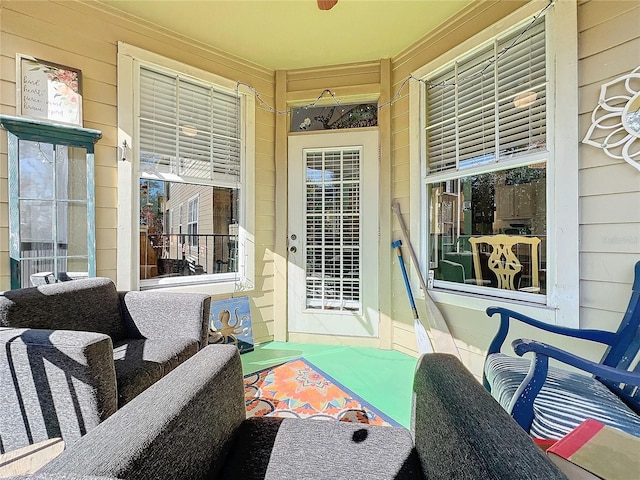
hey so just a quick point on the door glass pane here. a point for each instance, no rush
(71, 172)
(35, 170)
(332, 235)
(51, 227)
(72, 229)
(36, 272)
(36, 241)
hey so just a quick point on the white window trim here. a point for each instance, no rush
(128, 263)
(562, 299)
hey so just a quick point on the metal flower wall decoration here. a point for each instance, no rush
(617, 119)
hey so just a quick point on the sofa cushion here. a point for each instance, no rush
(140, 363)
(157, 314)
(90, 305)
(565, 401)
(276, 448)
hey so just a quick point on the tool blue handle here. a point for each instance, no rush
(396, 245)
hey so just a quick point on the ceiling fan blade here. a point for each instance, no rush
(326, 4)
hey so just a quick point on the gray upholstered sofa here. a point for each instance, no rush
(72, 353)
(190, 425)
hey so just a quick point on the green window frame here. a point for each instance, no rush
(62, 140)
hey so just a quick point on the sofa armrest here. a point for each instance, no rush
(461, 432)
(54, 383)
(179, 428)
(153, 314)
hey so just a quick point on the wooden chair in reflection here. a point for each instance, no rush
(504, 262)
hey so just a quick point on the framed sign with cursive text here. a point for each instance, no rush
(48, 91)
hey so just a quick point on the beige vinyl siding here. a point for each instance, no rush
(609, 46)
(84, 35)
(355, 81)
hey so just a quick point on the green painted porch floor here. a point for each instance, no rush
(384, 378)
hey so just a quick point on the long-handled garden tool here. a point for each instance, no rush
(442, 338)
(424, 343)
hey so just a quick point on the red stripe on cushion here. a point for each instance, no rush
(571, 443)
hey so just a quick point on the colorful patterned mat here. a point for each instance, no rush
(299, 389)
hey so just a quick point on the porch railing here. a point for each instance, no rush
(179, 254)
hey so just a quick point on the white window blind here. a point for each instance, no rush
(489, 106)
(333, 221)
(188, 129)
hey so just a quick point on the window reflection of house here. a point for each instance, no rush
(209, 242)
(189, 176)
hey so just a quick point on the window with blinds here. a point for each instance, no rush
(190, 162)
(188, 130)
(489, 106)
(486, 165)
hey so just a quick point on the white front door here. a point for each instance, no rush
(333, 233)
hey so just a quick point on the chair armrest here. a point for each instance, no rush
(54, 383)
(523, 345)
(153, 314)
(180, 427)
(461, 432)
(506, 315)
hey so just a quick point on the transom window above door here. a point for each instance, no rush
(334, 117)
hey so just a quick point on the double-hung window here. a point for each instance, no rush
(489, 142)
(486, 161)
(189, 139)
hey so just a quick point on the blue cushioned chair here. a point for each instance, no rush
(549, 402)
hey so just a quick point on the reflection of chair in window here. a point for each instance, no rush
(504, 262)
(455, 272)
(452, 271)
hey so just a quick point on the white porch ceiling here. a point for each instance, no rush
(289, 34)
